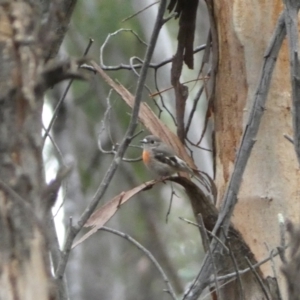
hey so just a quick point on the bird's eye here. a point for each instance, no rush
(152, 142)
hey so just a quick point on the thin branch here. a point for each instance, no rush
(289, 138)
(197, 145)
(170, 203)
(258, 278)
(102, 65)
(60, 157)
(278, 293)
(282, 238)
(255, 266)
(127, 237)
(74, 230)
(161, 99)
(208, 232)
(140, 11)
(195, 102)
(114, 147)
(131, 60)
(138, 66)
(61, 100)
(235, 265)
(211, 254)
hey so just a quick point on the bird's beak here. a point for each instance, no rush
(144, 141)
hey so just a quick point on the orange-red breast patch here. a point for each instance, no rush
(146, 157)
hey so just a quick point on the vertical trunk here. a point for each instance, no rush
(25, 271)
(270, 181)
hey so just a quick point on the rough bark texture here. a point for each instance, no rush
(26, 239)
(270, 184)
(25, 269)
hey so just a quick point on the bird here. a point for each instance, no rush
(160, 159)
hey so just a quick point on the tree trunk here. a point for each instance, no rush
(25, 269)
(270, 182)
(25, 238)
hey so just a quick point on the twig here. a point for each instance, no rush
(147, 253)
(60, 157)
(278, 293)
(173, 15)
(102, 65)
(140, 11)
(74, 230)
(235, 265)
(132, 64)
(170, 203)
(61, 100)
(137, 66)
(161, 100)
(195, 102)
(114, 148)
(258, 278)
(282, 238)
(208, 232)
(241, 272)
(197, 145)
(211, 254)
(289, 138)
(171, 87)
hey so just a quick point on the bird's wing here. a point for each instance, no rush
(165, 156)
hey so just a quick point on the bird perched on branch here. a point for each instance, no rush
(161, 159)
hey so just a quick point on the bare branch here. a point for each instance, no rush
(258, 279)
(289, 138)
(140, 11)
(74, 230)
(173, 193)
(191, 114)
(282, 238)
(138, 66)
(170, 289)
(61, 100)
(210, 253)
(240, 284)
(102, 65)
(208, 232)
(115, 146)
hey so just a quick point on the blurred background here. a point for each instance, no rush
(107, 266)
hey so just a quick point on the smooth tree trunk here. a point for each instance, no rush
(270, 184)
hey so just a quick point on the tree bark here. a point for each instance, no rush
(270, 183)
(25, 239)
(24, 257)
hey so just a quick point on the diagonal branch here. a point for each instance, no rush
(74, 230)
(170, 289)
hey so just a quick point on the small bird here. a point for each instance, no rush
(160, 159)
